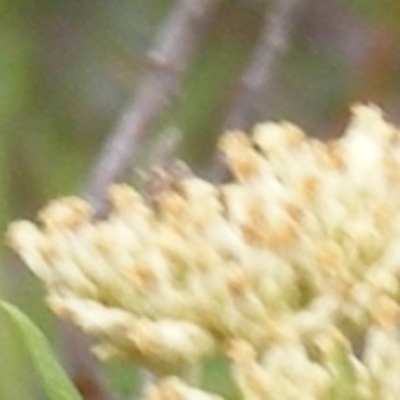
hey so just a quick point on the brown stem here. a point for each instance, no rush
(81, 366)
(174, 48)
(254, 82)
(175, 45)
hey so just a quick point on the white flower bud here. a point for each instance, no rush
(302, 242)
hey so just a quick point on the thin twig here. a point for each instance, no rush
(174, 48)
(272, 42)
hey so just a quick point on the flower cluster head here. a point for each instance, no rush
(291, 269)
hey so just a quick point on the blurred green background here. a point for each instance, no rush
(67, 68)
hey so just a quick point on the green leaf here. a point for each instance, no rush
(56, 383)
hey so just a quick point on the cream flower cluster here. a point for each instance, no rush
(291, 269)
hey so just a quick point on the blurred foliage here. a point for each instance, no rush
(67, 68)
(384, 12)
